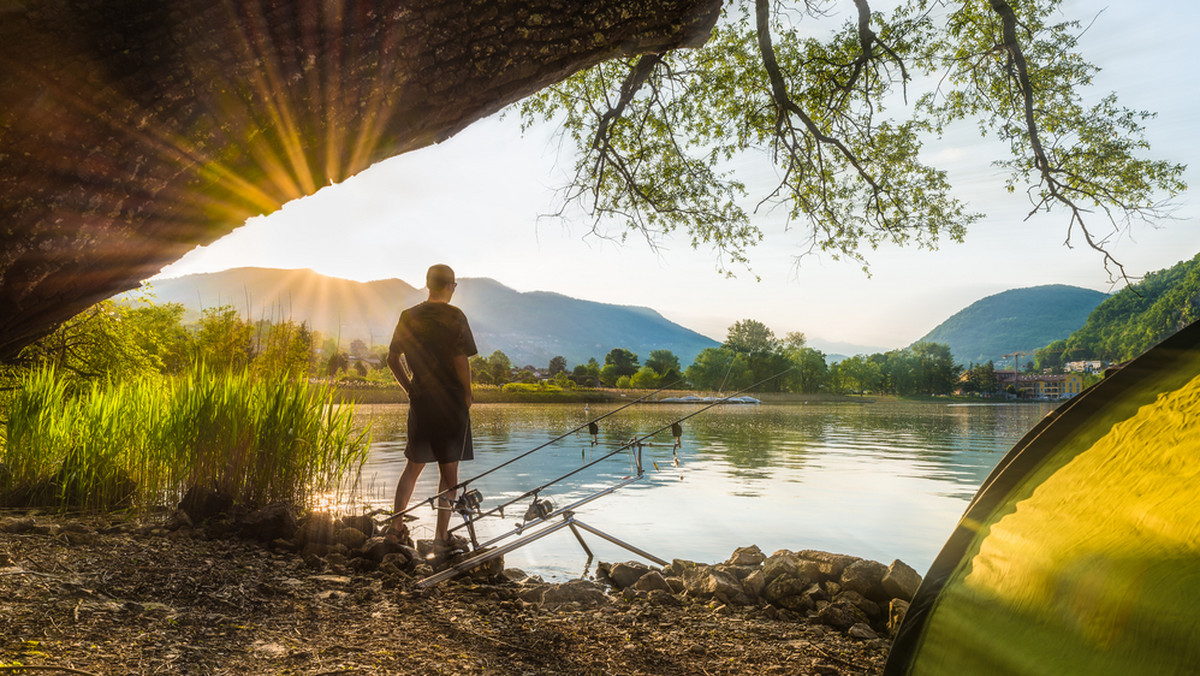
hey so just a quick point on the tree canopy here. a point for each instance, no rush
(666, 141)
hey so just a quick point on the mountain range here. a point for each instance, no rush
(529, 327)
(533, 327)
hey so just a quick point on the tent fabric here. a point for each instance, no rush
(1080, 554)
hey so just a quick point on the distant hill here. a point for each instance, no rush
(1139, 316)
(1018, 320)
(531, 328)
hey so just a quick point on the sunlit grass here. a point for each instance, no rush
(142, 444)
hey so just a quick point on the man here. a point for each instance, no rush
(435, 342)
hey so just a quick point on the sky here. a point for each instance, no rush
(478, 202)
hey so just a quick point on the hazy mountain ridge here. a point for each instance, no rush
(529, 327)
(1017, 320)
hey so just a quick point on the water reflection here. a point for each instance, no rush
(881, 480)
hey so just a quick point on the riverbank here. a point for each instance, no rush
(392, 394)
(101, 596)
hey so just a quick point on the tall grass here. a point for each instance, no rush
(144, 443)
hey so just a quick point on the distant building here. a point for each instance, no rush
(1084, 366)
(1041, 386)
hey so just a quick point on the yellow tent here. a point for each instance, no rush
(1080, 554)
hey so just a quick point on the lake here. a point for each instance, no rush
(883, 481)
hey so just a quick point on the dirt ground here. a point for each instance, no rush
(86, 596)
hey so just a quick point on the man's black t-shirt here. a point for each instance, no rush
(430, 336)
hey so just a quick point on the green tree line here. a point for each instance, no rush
(123, 341)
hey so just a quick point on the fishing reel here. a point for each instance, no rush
(468, 503)
(539, 509)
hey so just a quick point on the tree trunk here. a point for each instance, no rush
(132, 131)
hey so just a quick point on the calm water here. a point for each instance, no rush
(883, 480)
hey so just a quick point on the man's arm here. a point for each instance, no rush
(462, 368)
(393, 362)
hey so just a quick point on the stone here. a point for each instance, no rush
(866, 578)
(202, 504)
(272, 522)
(677, 567)
(586, 593)
(317, 528)
(747, 556)
(651, 581)
(787, 592)
(624, 575)
(861, 602)
(350, 538)
(901, 581)
(362, 523)
(754, 583)
(790, 565)
(739, 572)
(706, 582)
(841, 615)
(778, 564)
(862, 631)
(662, 598)
(829, 565)
(896, 612)
(17, 526)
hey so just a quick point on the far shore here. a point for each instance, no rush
(370, 393)
(392, 394)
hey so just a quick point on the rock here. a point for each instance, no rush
(829, 565)
(378, 547)
(624, 575)
(677, 567)
(316, 529)
(901, 581)
(17, 526)
(362, 523)
(275, 521)
(841, 615)
(896, 612)
(787, 591)
(739, 572)
(816, 592)
(861, 602)
(651, 581)
(747, 556)
(583, 592)
(706, 582)
(677, 585)
(754, 583)
(514, 574)
(865, 577)
(662, 598)
(202, 504)
(863, 631)
(350, 538)
(787, 564)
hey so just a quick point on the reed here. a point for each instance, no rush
(142, 444)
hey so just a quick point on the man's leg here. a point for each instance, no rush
(449, 479)
(406, 485)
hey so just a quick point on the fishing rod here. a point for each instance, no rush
(591, 425)
(635, 442)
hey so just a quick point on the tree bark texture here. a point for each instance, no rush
(132, 131)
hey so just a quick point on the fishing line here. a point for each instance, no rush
(432, 500)
(499, 509)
